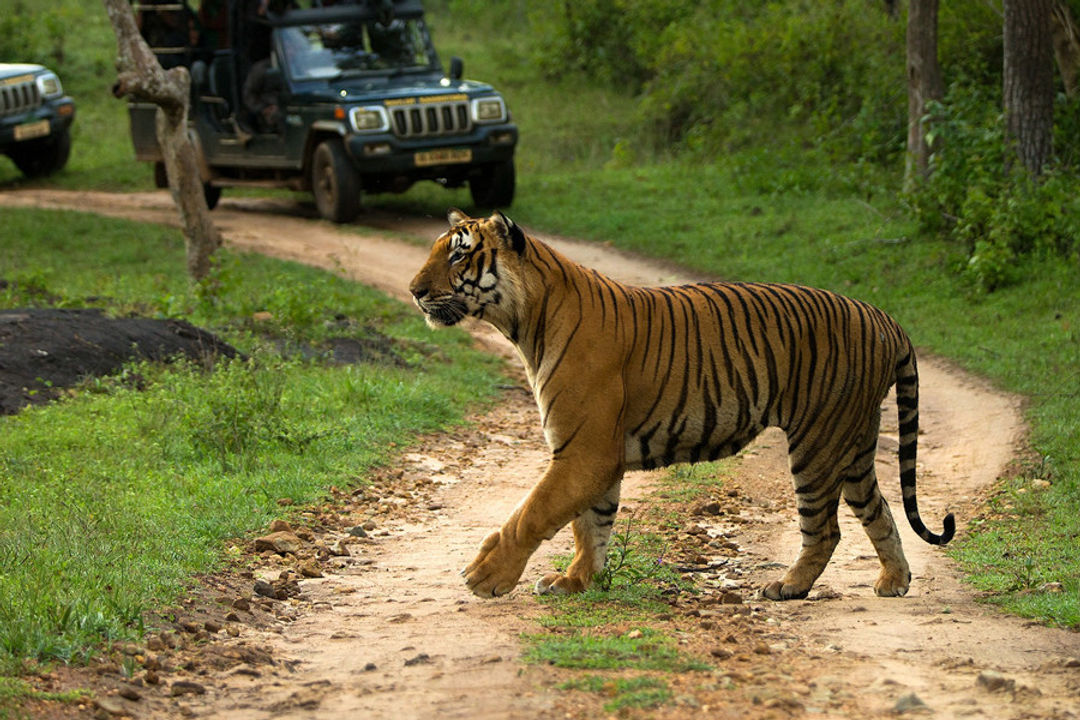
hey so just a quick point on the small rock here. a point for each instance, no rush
(310, 570)
(633, 634)
(189, 627)
(151, 677)
(370, 667)
(762, 649)
(154, 644)
(720, 653)
(212, 627)
(265, 589)
(233, 631)
(369, 525)
(339, 548)
(110, 706)
(1070, 662)
(909, 703)
(129, 692)
(232, 617)
(992, 681)
(1052, 587)
(242, 603)
(707, 508)
(186, 687)
(280, 542)
(358, 531)
(731, 598)
(280, 526)
(422, 658)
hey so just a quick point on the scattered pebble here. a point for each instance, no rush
(422, 658)
(909, 703)
(186, 687)
(993, 681)
(281, 542)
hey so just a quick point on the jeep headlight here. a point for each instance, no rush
(369, 119)
(49, 85)
(488, 110)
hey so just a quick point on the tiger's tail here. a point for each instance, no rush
(907, 410)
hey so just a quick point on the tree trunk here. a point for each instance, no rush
(924, 85)
(1029, 82)
(1066, 45)
(140, 75)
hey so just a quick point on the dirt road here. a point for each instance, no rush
(392, 633)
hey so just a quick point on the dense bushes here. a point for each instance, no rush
(825, 81)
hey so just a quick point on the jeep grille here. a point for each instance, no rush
(431, 119)
(19, 97)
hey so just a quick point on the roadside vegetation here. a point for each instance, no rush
(767, 156)
(112, 499)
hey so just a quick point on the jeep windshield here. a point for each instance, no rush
(319, 52)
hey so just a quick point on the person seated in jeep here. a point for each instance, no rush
(261, 94)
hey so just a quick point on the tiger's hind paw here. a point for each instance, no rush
(779, 591)
(558, 584)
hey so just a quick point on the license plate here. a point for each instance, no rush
(29, 131)
(445, 156)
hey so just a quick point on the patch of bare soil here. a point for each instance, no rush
(360, 613)
(44, 350)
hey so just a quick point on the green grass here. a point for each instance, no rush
(642, 692)
(644, 649)
(113, 498)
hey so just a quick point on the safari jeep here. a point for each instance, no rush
(339, 100)
(35, 119)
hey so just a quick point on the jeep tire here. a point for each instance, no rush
(493, 186)
(38, 158)
(334, 182)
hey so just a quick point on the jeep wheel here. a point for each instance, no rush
(494, 186)
(38, 158)
(334, 182)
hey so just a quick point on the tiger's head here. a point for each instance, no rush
(472, 270)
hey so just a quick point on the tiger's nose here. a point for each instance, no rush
(418, 289)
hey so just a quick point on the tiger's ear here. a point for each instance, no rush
(456, 217)
(509, 231)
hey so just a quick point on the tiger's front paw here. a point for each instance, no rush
(893, 583)
(782, 591)
(495, 570)
(558, 584)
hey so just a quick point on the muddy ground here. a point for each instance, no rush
(380, 625)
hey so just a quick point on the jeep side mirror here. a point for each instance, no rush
(457, 68)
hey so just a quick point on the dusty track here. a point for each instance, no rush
(841, 653)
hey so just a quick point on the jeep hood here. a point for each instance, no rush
(9, 69)
(376, 88)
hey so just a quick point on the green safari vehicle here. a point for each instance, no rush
(336, 99)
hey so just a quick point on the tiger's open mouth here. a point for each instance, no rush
(444, 311)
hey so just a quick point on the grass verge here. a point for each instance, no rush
(112, 499)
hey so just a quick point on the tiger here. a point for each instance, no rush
(632, 378)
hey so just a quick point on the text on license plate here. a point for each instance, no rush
(444, 156)
(29, 131)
